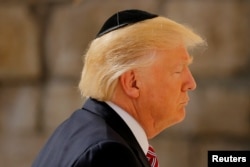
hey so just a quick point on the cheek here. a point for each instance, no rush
(169, 91)
(161, 91)
(166, 100)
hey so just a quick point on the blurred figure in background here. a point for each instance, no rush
(136, 79)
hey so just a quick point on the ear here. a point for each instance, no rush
(129, 84)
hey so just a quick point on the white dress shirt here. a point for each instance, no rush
(134, 126)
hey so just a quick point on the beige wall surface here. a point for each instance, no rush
(41, 48)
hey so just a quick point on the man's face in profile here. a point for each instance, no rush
(164, 89)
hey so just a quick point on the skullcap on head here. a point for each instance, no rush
(124, 18)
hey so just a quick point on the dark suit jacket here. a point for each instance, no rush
(94, 136)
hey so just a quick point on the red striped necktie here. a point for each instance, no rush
(152, 158)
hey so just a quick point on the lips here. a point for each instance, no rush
(185, 102)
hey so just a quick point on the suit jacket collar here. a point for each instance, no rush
(116, 122)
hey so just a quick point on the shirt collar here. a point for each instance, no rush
(134, 126)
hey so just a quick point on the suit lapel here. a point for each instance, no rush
(115, 121)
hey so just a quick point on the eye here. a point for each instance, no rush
(178, 70)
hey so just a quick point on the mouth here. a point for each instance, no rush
(185, 102)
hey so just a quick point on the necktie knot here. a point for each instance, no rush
(152, 158)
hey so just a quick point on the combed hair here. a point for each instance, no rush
(130, 47)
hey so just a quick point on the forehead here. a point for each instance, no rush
(175, 56)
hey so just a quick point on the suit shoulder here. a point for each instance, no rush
(74, 136)
(108, 153)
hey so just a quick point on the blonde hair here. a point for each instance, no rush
(130, 47)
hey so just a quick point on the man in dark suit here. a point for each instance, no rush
(136, 79)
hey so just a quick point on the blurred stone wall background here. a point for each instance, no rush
(41, 47)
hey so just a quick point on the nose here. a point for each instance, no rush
(189, 81)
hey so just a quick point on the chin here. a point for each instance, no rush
(182, 115)
(179, 119)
